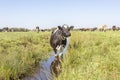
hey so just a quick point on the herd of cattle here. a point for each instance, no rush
(6, 29)
(37, 29)
(102, 28)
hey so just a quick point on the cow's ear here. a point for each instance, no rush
(71, 27)
(59, 27)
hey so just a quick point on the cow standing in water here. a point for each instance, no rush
(59, 37)
(58, 40)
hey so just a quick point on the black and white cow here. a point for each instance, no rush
(59, 37)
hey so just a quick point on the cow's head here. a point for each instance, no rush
(65, 29)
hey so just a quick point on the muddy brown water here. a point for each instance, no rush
(44, 71)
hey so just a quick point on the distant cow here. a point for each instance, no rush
(103, 28)
(1, 30)
(5, 29)
(114, 28)
(37, 29)
(58, 37)
(93, 29)
(117, 28)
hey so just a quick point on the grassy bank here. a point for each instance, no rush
(92, 56)
(20, 52)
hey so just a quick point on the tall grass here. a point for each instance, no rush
(92, 56)
(20, 52)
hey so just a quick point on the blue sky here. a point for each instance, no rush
(50, 13)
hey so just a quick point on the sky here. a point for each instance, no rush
(51, 13)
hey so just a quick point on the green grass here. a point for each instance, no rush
(92, 56)
(20, 53)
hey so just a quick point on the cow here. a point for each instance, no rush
(103, 28)
(1, 30)
(37, 29)
(93, 29)
(118, 28)
(59, 37)
(5, 29)
(114, 28)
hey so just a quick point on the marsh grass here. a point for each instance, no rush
(92, 56)
(20, 53)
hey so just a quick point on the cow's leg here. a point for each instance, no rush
(55, 50)
(61, 50)
(61, 53)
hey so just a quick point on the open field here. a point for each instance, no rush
(92, 56)
(20, 52)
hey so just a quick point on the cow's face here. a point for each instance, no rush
(65, 30)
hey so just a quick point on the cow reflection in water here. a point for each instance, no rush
(58, 42)
(56, 66)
